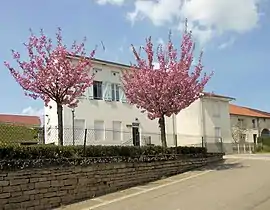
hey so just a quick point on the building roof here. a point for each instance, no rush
(245, 111)
(20, 120)
(103, 61)
(217, 96)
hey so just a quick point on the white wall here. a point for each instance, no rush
(189, 122)
(51, 122)
(189, 125)
(248, 127)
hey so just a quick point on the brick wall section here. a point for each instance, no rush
(52, 187)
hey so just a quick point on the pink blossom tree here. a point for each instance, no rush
(170, 88)
(50, 73)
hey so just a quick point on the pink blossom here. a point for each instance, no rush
(169, 89)
(50, 73)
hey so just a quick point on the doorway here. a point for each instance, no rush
(255, 138)
(136, 136)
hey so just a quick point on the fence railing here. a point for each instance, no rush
(10, 134)
(20, 135)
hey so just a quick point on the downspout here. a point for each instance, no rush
(202, 115)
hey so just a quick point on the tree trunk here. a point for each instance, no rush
(60, 124)
(161, 122)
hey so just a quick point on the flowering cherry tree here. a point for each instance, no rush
(50, 73)
(170, 88)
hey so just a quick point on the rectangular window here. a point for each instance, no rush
(99, 130)
(241, 123)
(97, 90)
(217, 133)
(253, 123)
(117, 125)
(115, 92)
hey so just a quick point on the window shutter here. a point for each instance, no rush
(109, 92)
(89, 93)
(104, 90)
(122, 95)
(107, 95)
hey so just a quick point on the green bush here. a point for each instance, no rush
(52, 152)
(14, 134)
(264, 140)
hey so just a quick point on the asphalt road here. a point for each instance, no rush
(241, 183)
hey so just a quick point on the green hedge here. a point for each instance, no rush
(264, 140)
(14, 134)
(51, 151)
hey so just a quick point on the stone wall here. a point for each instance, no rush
(52, 187)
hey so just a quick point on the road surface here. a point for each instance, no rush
(241, 183)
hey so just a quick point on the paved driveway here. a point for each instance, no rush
(242, 183)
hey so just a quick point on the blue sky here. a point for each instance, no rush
(234, 34)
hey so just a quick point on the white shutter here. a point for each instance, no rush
(89, 93)
(104, 90)
(122, 95)
(109, 92)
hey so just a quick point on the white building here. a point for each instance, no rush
(108, 118)
(248, 124)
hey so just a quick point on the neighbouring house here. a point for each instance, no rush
(248, 124)
(103, 110)
(23, 120)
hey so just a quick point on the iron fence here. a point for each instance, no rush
(23, 135)
(113, 137)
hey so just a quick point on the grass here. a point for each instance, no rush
(263, 149)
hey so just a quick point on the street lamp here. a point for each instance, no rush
(73, 126)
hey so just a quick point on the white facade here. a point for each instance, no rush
(103, 110)
(247, 129)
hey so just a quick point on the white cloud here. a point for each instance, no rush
(114, 2)
(226, 44)
(33, 111)
(207, 18)
(161, 41)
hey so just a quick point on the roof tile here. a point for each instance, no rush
(20, 119)
(245, 111)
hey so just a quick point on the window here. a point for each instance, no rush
(96, 70)
(243, 138)
(97, 89)
(253, 124)
(115, 92)
(217, 133)
(115, 73)
(241, 123)
(99, 130)
(117, 130)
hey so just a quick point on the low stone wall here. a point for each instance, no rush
(46, 188)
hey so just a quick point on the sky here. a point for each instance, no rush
(234, 35)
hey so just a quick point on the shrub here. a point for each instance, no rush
(54, 152)
(264, 140)
(14, 134)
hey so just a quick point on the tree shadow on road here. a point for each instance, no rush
(222, 165)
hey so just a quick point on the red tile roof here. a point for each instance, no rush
(20, 120)
(245, 111)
